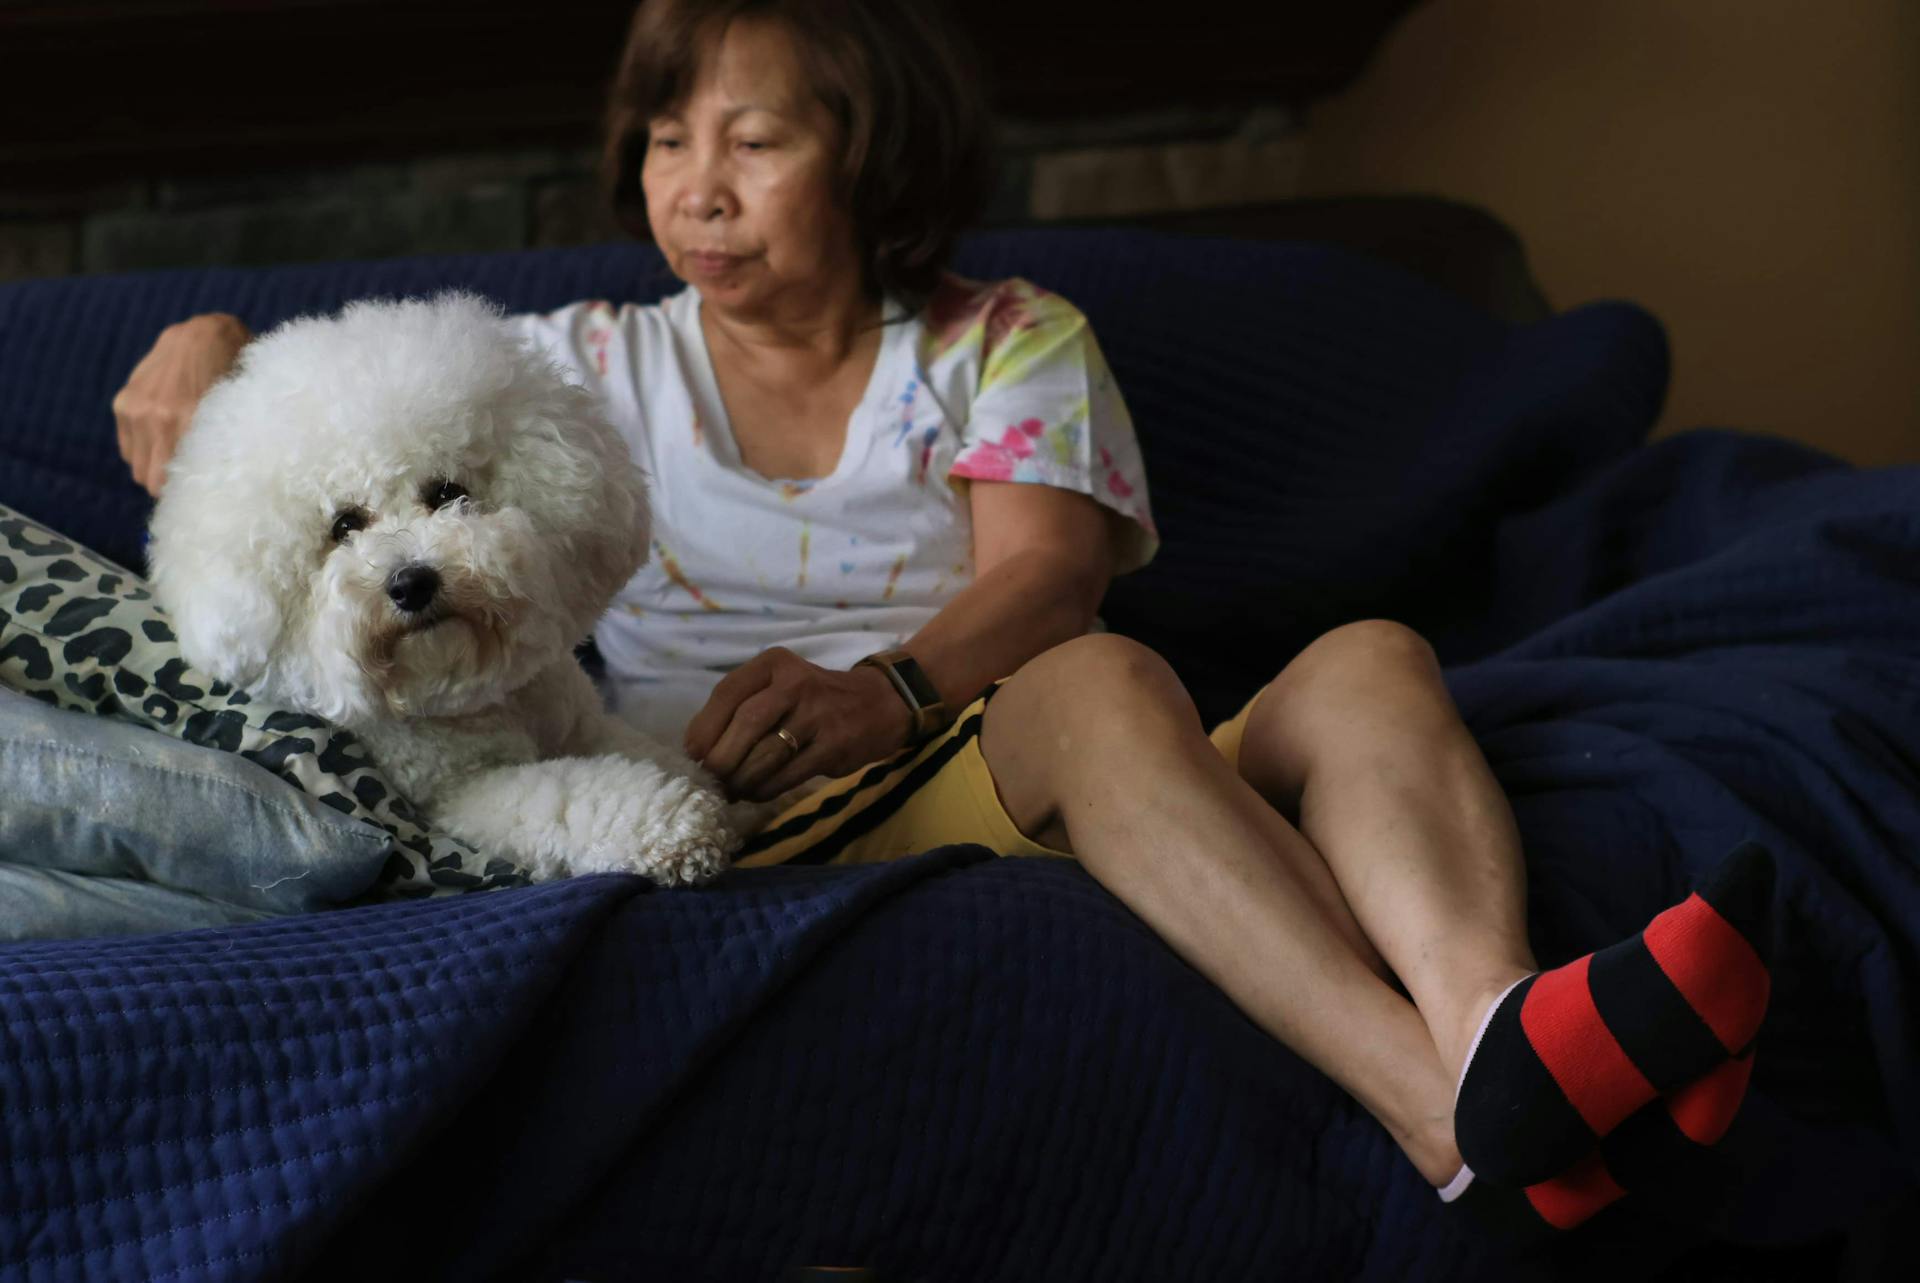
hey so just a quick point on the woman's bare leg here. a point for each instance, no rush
(1359, 738)
(1096, 748)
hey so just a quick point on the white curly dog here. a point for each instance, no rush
(402, 520)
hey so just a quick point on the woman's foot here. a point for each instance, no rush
(1566, 1056)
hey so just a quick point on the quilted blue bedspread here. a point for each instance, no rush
(957, 1067)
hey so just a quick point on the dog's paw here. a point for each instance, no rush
(691, 844)
(607, 814)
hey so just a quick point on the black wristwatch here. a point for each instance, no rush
(923, 701)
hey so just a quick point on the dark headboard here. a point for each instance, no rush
(99, 91)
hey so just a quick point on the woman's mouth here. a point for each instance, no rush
(710, 263)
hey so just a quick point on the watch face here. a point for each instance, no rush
(919, 694)
(923, 692)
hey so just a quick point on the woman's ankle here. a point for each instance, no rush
(1431, 1150)
(1456, 1028)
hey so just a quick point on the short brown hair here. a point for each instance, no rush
(901, 81)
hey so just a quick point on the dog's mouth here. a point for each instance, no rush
(424, 620)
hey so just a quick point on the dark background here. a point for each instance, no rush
(119, 89)
(1750, 173)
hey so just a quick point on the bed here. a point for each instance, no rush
(956, 1067)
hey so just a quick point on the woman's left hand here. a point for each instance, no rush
(841, 721)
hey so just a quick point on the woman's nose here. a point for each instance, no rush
(707, 194)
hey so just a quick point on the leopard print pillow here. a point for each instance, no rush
(78, 632)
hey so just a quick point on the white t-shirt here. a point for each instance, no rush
(997, 382)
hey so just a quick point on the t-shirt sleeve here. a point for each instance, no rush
(594, 349)
(582, 337)
(1046, 409)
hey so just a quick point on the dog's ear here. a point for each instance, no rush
(211, 558)
(227, 622)
(567, 465)
(228, 554)
(629, 538)
(606, 551)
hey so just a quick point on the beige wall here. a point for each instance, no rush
(1749, 170)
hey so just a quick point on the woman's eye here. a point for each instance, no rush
(438, 494)
(346, 521)
(666, 144)
(754, 144)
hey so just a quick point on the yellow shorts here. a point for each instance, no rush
(923, 797)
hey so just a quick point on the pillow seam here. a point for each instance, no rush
(356, 828)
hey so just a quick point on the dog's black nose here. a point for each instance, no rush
(412, 587)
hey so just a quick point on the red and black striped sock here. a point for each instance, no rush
(1566, 1056)
(1521, 1218)
(1659, 1153)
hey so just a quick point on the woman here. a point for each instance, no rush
(880, 489)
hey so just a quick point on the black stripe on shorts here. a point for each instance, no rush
(875, 811)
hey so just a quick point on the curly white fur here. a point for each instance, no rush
(367, 426)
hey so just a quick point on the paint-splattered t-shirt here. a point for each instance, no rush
(994, 382)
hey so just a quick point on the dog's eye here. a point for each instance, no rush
(438, 494)
(346, 521)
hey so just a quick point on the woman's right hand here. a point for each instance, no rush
(153, 410)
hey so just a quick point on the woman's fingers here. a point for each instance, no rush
(156, 477)
(752, 722)
(152, 473)
(772, 763)
(840, 720)
(814, 758)
(121, 437)
(704, 731)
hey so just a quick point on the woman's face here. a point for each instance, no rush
(740, 180)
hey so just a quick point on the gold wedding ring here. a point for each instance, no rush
(787, 737)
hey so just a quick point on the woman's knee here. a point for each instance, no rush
(1098, 674)
(1058, 717)
(1366, 657)
(1347, 678)
(1362, 647)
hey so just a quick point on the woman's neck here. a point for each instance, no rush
(824, 333)
(789, 387)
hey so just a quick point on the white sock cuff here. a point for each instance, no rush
(1480, 1033)
(1458, 1185)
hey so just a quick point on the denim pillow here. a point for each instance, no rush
(109, 828)
(80, 633)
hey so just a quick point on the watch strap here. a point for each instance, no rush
(911, 684)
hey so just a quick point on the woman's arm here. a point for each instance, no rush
(1042, 559)
(152, 411)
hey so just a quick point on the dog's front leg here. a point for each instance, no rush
(592, 815)
(603, 733)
